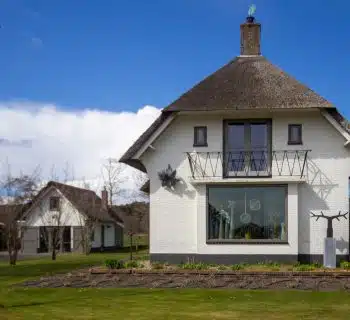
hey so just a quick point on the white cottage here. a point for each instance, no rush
(255, 152)
(69, 208)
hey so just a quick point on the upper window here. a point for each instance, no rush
(200, 137)
(295, 134)
(247, 147)
(247, 214)
(54, 203)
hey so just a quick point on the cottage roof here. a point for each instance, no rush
(85, 201)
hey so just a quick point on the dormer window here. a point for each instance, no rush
(295, 134)
(200, 137)
(54, 203)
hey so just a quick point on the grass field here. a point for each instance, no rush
(185, 304)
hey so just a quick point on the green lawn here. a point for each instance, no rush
(184, 304)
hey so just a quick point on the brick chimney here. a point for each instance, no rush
(250, 37)
(104, 198)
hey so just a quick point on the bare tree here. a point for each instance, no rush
(88, 221)
(20, 190)
(112, 177)
(54, 220)
(138, 212)
(54, 215)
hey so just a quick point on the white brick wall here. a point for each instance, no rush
(177, 219)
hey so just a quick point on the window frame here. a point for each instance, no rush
(55, 198)
(195, 141)
(300, 132)
(246, 241)
(247, 132)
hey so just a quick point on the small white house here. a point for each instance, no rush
(69, 208)
(255, 152)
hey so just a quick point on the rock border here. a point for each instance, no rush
(332, 274)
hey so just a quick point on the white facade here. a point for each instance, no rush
(109, 236)
(40, 215)
(178, 218)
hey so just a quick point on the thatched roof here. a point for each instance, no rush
(247, 83)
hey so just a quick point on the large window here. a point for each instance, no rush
(249, 214)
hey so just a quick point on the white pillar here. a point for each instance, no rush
(72, 238)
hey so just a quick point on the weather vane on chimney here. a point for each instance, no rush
(252, 10)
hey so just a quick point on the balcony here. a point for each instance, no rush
(248, 164)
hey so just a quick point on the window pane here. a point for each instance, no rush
(235, 147)
(295, 133)
(259, 147)
(256, 213)
(200, 136)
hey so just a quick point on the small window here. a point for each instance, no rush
(295, 134)
(54, 203)
(92, 237)
(200, 137)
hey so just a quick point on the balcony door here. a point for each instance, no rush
(247, 148)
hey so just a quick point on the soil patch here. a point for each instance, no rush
(160, 279)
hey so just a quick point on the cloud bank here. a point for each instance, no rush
(43, 134)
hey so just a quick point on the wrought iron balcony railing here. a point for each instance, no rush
(257, 163)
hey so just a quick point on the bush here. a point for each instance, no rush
(157, 265)
(194, 266)
(132, 264)
(345, 265)
(305, 267)
(114, 264)
(236, 267)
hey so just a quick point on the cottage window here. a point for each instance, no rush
(295, 134)
(247, 214)
(54, 203)
(200, 137)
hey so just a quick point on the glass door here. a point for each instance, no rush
(247, 148)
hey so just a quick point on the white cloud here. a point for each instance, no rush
(83, 139)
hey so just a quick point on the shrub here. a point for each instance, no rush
(114, 264)
(157, 265)
(236, 267)
(305, 267)
(222, 267)
(132, 264)
(269, 264)
(345, 265)
(194, 266)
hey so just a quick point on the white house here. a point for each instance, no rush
(255, 152)
(70, 208)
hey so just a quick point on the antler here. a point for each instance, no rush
(317, 216)
(339, 215)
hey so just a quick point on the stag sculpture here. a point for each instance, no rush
(329, 220)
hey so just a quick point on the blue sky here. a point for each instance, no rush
(121, 55)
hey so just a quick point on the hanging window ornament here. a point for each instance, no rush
(254, 204)
(168, 177)
(245, 217)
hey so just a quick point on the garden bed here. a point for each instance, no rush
(318, 281)
(143, 274)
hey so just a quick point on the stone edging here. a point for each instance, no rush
(328, 274)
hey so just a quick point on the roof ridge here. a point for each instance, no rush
(69, 186)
